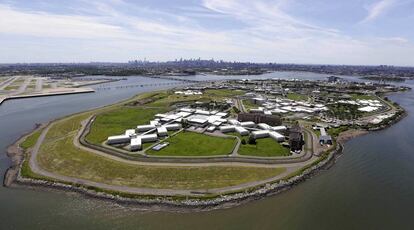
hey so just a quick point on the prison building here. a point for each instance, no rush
(144, 128)
(227, 128)
(173, 127)
(277, 136)
(242, 131)
(162, 131)
(279, 128)
(272, 120)
(130, 132)
(260, 134)
(248, 124)
(264, 126)
(149, 138)
(135, 144)
(233, 122)
(120, 139)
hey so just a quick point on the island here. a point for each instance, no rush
(205, 146)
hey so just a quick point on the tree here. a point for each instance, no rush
(243, 141)
(252, 141)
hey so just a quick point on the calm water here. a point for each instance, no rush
(371, 186)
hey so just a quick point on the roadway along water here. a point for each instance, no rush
(370, 187)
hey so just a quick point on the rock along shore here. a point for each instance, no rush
(13, 178)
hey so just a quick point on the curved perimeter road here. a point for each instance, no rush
(290, 168)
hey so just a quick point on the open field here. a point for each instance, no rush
(117, 121)
(266, 147)
(249, 105)
(297, 97)
(59, 155)
(223, 93)
(11, 87)
(168, 99)
(30, 140)
(195, 144)
(355, 96)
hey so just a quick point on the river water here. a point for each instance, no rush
(370, 187)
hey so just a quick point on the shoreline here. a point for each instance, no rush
(78, 91)
(13, 179)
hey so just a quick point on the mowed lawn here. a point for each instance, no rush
(195, 144)
(117, 121)
(59, 155)
(265, 147)
(297, 97)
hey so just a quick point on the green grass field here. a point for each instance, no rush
(59, 155)
(31, 140)
(195, 144)
(297, 97)
(363, 97)
(12, 87)
(222, 93)
(266, 147)
(117, 121)
(249, 105)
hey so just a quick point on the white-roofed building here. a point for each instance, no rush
(211, 128)
(277, 136)
(144, 128)
(233, 122)
(188, 110)
(119, 139)
(221, 114)
(242, 131)
(279, 128)
(172, 127)
(162, 131)
(264, 126)
(260, 134)
(135, 144)
(248, 124)
(130, 132)
(227, 128)
(149, 138)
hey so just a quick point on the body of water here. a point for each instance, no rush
(370, 187)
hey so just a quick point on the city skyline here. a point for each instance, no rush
(353, 33)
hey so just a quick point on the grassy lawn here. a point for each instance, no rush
(31, 140)
(249, 105)
(266, 147)
(355, 96)
(195, 144)
(12, 87)
(334, 132)
(221, 93)
(59, 155)
(117, 121)
(297, 97)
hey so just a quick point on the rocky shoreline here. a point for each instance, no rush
(13, 178)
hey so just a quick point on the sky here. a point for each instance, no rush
(351, 32)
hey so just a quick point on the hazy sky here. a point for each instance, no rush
(284, 31)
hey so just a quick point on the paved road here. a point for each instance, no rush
(292, 167)
(39, 84)
(8, 82)
(22, 87)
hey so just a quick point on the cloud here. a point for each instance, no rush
(116, 30)
(43, 24)
(378, 9)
